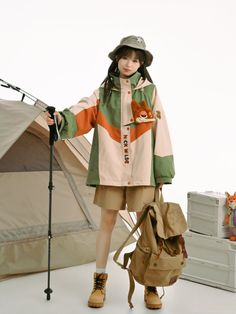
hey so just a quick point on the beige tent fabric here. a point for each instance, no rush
(36, 159)
(31, 197)
(24, 201)
(15, 117)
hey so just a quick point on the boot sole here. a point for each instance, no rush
(152, 306)
(95, 305)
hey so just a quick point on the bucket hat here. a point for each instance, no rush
(136, 42)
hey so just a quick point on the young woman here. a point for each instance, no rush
(131, 151)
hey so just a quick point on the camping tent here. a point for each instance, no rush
(24, 176)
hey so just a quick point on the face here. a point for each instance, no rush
(128, 65)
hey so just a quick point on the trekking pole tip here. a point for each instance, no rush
(48, 292)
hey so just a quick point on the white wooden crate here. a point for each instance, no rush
(211, 261)
(206, 213)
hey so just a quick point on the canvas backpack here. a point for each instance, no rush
(159, 254)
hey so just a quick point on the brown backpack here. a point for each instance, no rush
(159, 254)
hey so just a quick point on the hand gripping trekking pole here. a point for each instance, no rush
(52, 139)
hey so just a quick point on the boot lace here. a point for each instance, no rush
(151, 289)
(99, 283)
(154, 290)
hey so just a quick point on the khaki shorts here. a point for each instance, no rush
(116, 197)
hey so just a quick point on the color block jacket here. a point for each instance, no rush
(131, 144)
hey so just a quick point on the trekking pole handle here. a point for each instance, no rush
(51, 111)
(53, 129)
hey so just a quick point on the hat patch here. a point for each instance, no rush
(139, 40)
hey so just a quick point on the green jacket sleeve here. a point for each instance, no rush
(164, 169)
(68, 127)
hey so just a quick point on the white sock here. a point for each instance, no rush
(100, 270)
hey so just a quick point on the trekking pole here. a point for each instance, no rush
(52, 138)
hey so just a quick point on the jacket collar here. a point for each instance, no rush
(134, 80)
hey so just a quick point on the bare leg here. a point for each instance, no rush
(107, 223)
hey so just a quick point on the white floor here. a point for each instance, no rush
(71, 287)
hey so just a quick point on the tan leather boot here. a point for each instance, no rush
(98, 294)
(152, 298)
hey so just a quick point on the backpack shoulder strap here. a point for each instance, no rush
(128, 255)
(131, 288)
(119, 250)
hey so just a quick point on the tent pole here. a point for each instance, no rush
(52, 138)
(17, 89)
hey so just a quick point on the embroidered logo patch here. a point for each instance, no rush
(139, 40)
(141, 112)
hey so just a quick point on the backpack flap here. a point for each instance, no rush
(173, 218)
(170, 218)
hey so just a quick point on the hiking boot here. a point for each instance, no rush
(98, 294)
(152, 298)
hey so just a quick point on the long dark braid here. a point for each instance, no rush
(108, 82)
(113, 69)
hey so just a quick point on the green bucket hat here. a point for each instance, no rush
(136, 42)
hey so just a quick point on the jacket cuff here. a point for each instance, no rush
(62, 124)
(164, 180)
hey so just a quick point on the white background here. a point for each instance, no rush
(57, 50)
